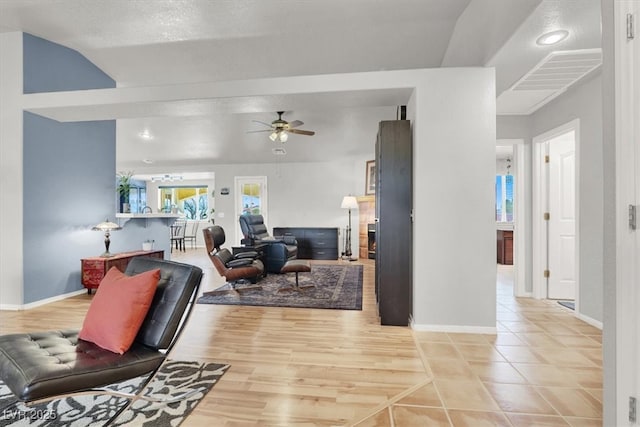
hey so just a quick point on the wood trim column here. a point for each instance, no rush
(366, 215)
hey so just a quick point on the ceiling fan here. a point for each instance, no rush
(280, 129)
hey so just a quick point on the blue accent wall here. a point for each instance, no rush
(68, 188)
(68, 170)
(50, 67)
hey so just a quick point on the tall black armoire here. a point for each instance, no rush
(394, 222)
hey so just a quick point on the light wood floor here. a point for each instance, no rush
(302, 367)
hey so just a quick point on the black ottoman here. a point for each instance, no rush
(296, 266)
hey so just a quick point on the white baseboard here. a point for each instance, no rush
(455, 329)
(589, 320)
(525, 295)
(17, 307)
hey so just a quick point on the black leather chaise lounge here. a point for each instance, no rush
(42, 366)
(279, 249)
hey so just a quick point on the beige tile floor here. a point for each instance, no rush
(301, 367)
(542, 368)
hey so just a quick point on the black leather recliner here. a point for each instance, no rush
(279, 249)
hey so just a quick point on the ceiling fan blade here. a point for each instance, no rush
(295, 124)
(261, 130)
(262, 123)
(302, 132)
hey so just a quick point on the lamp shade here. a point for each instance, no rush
(349, 202)
(107, 225)
(279, 135)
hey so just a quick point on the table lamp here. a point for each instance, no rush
(107, 227)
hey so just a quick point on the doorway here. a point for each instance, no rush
(512, 152)
(555, 213)
(251, 198)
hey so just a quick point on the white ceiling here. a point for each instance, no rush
(169, 42)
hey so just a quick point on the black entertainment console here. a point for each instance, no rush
(313, 242)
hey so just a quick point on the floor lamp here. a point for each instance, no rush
(348, 202)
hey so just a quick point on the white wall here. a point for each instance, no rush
(11, 170)
(454, 245)
(299, 194)
(585, 103)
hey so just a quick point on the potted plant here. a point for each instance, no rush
(147, 245)
(124, 189)
(212, 218)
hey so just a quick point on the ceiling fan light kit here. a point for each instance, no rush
(279, 136)
(280, 128)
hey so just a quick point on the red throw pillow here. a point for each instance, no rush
(118, 309)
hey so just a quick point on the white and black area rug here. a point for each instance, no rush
(174, 379)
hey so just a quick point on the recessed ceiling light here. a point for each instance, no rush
(147, 161)
(146, 135)
(552, 38)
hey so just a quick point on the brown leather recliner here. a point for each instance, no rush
(233, 268)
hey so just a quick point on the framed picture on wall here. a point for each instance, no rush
(370, 180)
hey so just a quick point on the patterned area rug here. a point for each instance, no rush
(335, 286)
(174, 378)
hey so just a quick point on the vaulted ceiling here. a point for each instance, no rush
(161, 42)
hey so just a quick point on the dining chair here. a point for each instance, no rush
(191, 236)
(177, 234)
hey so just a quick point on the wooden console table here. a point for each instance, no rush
(94, 268)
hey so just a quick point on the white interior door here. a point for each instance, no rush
(626, 328)
(635, 137)
(562, 222)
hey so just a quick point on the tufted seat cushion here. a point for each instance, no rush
(38, 365)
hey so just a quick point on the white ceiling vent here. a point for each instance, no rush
(548, 79)
(559, 70)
